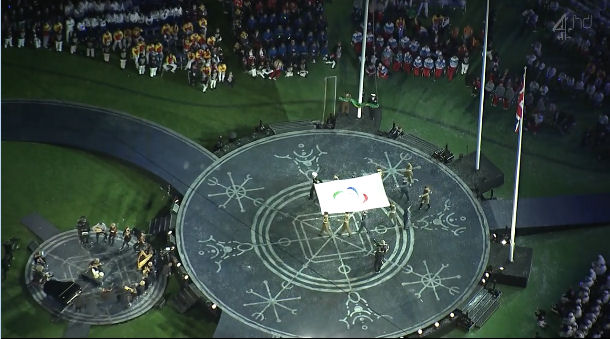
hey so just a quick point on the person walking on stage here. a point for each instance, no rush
(345, 227)
(404, 189)
(380, 251)
(406, 218)
(409, 174)
(314, 180)
(363, 223)
(325, 225)
(392, 215)
(425, 197)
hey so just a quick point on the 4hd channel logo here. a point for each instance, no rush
(570, 22)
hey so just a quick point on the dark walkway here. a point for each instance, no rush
(40, 226)
(159, 150)
(546, 212)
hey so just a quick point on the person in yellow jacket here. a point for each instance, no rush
(58, 29)
(46, 32)
(222, 69)
(135, 54)
(203, 26)
(118, 39)
(190, 58)
(211, 41)
(150, 48)
(187, 28)
(106, 41)
(207, 54)
(127, 38)
(166, 29)
(170, 63)
(159, 50)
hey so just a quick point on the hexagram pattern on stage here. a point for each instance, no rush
(249, 238)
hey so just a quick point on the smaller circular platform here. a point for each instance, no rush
(98, 304)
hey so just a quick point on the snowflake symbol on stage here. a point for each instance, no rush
(394, 171)
(359, 311)
(443, 220)
(272, 302)
(237, 192)
(307, 162)
(431, 280)
(223, 249)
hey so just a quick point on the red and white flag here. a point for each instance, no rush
(520, 104)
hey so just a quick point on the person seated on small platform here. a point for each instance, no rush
(95, 267)
(398, 132)
(393, 129)
(382, 71)
(141, 288)
(112, 233)
(39, 259)
(126, 237)
(99, 229)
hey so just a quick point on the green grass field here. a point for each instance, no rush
(61, 183)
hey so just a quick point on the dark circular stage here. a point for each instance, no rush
(249, 238)
(99, 304)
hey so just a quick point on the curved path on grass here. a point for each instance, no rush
(168, 155)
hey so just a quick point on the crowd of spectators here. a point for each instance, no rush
(580, 30)
(156, 35)
(398, 40)
(281, 36)
(584, 311)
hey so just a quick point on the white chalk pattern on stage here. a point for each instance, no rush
(307, 163)
(359, 311)
(396, 170)
(431, 280)
(237, 192)
(442, 220)
(270, 301)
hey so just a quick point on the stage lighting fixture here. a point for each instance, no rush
(173, 248)
(186, 277)
(503, 242)
(501, 268)
(451, 315)
(167, 249)
(179, 264)
(436, 324)
(483, 280)
(169, 232)
(486, 275)
(213, 306)
(420, 331)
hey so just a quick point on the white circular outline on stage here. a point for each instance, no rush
(287, 272)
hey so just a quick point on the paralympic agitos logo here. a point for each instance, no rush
(351, 192)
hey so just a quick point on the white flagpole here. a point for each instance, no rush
(482, 98)
(363, 58)
(517, 170)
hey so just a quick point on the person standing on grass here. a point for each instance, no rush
(465, 61)
(230, 81)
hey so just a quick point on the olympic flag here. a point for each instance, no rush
(352, 195)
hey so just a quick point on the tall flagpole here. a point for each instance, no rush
(363, 58)
(517, 170)
(482, 98)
